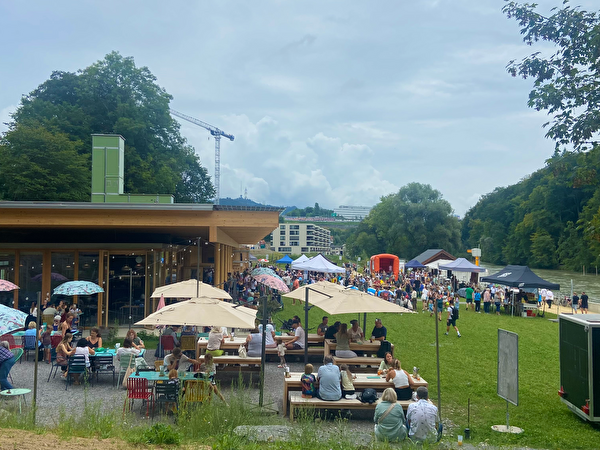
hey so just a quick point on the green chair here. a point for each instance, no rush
(18, 352)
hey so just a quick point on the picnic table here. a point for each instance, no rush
(228, 345)
(367, 347)
(313, 338)
(22, 333)
(362, 382)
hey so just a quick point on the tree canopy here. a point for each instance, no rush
(567, 83)
(46, 153)
(407, 223)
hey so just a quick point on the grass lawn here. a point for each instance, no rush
(468, 370)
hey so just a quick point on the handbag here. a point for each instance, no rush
(385, 414)
(242, 352)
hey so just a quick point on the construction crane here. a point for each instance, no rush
(217, 135)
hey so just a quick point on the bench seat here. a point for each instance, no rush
(297, 401)
(236, 363)
(311, 351)
(359, 361)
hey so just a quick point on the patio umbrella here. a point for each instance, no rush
(203, 312)
(190, 289)
(263, 271)
(273, 282)
(6, 286)
(161, 303)
(53, 276)
(11, 319)
(78, 288)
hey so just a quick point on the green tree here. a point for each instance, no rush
(115, 96)
(543, 250)
(565, 83)
(38, 164)
(407, 223)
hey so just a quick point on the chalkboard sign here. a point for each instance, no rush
(508, 366)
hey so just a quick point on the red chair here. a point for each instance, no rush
(11, 341)
(137, 388)
(167, 342)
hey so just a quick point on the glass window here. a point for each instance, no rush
(89, 264)
(7, 272)
(30, 279)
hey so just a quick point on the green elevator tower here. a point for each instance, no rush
(108, 173)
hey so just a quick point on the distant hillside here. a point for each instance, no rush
(240, 201)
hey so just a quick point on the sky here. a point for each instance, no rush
(337, 102)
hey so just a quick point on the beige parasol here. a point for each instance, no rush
(190, 289)
(203, 311)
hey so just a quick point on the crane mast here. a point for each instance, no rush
(217, 134)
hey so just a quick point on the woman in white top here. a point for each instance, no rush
(83, 349)
(403, 384)
(33, 310)
(270, 335)
(215, 339)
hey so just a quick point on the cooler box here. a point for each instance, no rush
(579, 347)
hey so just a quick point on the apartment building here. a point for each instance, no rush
(299, 238)
(356, 213)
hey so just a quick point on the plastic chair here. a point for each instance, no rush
(18, 352)
(30, 344)
(137, 388)
(103, 364)
(127, 361)
(11, 341)
(166, 392)
(54, 367)
(76, 367)
(187, 343)
(197, 391)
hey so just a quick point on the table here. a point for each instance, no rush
(155, 376)
(370, 348)
(313, 338)
(22, 333)
(17, 393)
(228, 345)
(362, 381)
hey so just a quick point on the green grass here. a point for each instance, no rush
(468, 370)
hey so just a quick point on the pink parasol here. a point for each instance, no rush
(6, 286)
(274, 282)
(161, 302)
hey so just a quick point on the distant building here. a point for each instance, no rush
(299, 238)
(352, 212)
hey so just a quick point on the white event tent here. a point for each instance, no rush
(318, 264)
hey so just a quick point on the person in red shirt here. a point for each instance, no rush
(296, 286)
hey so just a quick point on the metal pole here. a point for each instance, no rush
(437, 355)
(37, 352)
(507, 425)
(198, 269)
(264, 300)
(130, 294)
(305, 326)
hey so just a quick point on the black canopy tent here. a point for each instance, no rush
(520, 277)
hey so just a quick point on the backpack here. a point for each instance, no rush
(455, 313)
(369, 395)
(385, 347)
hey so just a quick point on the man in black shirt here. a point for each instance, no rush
(575, 302)
(330, 333)
(583, 303)
(379, 332)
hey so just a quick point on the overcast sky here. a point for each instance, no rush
(335, 102)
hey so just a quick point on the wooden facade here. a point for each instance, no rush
(148, 245)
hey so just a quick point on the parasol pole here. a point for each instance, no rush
(264, 300)
(198, 268)
(437, 355)
(37, 355)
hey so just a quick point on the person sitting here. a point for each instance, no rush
(423, 420)
(32, 331)
(215, 340)
(171, 330)
(356, 332)
(46, 338)
(63, 352)
(7, 360)
(388, 363)
(187, 331)
(379, 332)
(56, 323)
(330, 333)
(94, 339)
(348, 390)
(309, 381)
(67, 325)
(389, 418)
(136, 342)
(329, 377)
(297, 343)
(343, 343)
(254, 343)
(322, 328)
(269, 335)
(128, 349)
(402, 382)
(83, 349)
(176, 359)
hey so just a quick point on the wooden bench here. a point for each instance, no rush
(235, 363)
(297, 401)
(311, 351)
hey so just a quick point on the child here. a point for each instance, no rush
(210, 371)
(308, 381)
(281, 353)
(347, 385)
(47, 343)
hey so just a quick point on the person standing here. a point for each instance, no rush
(575, 303)
(487, 300)
(583, 303)
(477, 297)
(452, 318)
(469, 296)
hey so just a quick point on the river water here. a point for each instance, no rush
(589, 283)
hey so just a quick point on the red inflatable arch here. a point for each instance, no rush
(385, 261)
